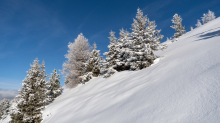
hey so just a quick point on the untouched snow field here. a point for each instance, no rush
(183, 86)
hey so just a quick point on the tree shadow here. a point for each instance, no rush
(204, 32)
(209, 35)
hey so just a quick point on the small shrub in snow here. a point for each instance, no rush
(198, 23)
(208, 17)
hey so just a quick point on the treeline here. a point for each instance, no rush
(131, 51)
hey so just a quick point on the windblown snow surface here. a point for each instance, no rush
(182, 86)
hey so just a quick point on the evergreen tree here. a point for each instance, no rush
(123, 50)
(32, 97)
(191, 28)
(177, 21)
(53, 86)
(92, 66)
(16, 115)
(111, 56)
(208, 17)
(4, 108)
(145, 40)
(198, 23)
(78, 54)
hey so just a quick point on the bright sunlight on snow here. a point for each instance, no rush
(182, 87)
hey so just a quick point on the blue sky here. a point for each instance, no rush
(43, 28)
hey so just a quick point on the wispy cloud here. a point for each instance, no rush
(34, 20)
(155, 7)
(7, 93)
(8, 83)
(5, 54)
(97, 35)
(198, 8)
(86, 19)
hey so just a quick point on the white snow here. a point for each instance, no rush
(183, 86)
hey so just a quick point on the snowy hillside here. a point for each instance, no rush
(183, 86)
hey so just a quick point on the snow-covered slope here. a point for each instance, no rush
(183, 87)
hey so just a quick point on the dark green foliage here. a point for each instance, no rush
(92, 66)
(16, 118)
(4, 108)
(32, 97)
(53, 87)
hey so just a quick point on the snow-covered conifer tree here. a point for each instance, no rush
(111, 56)
(32, 97)
(198, 23)
(191, 28)
(53, 86)
(4, 108)
(123, 50)
(16, 115)
(92, 66)
(208, 17)
(145, 39)
(78, 54)
(177, 21)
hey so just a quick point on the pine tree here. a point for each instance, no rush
(92, 66)
(95, 61)
(145, 40)
(191, 28)
(123, 50)
(4, 108)
(78, 54)
(198, 23)
(111, 56)
(208, 17)
(16, 115)
(177, 21)
(53, 86)
(32, 97)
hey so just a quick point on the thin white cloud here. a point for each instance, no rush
(38, 18)
(154, 7)
(7, 93)
(85, 20)
(198, 8)
(5, 54)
